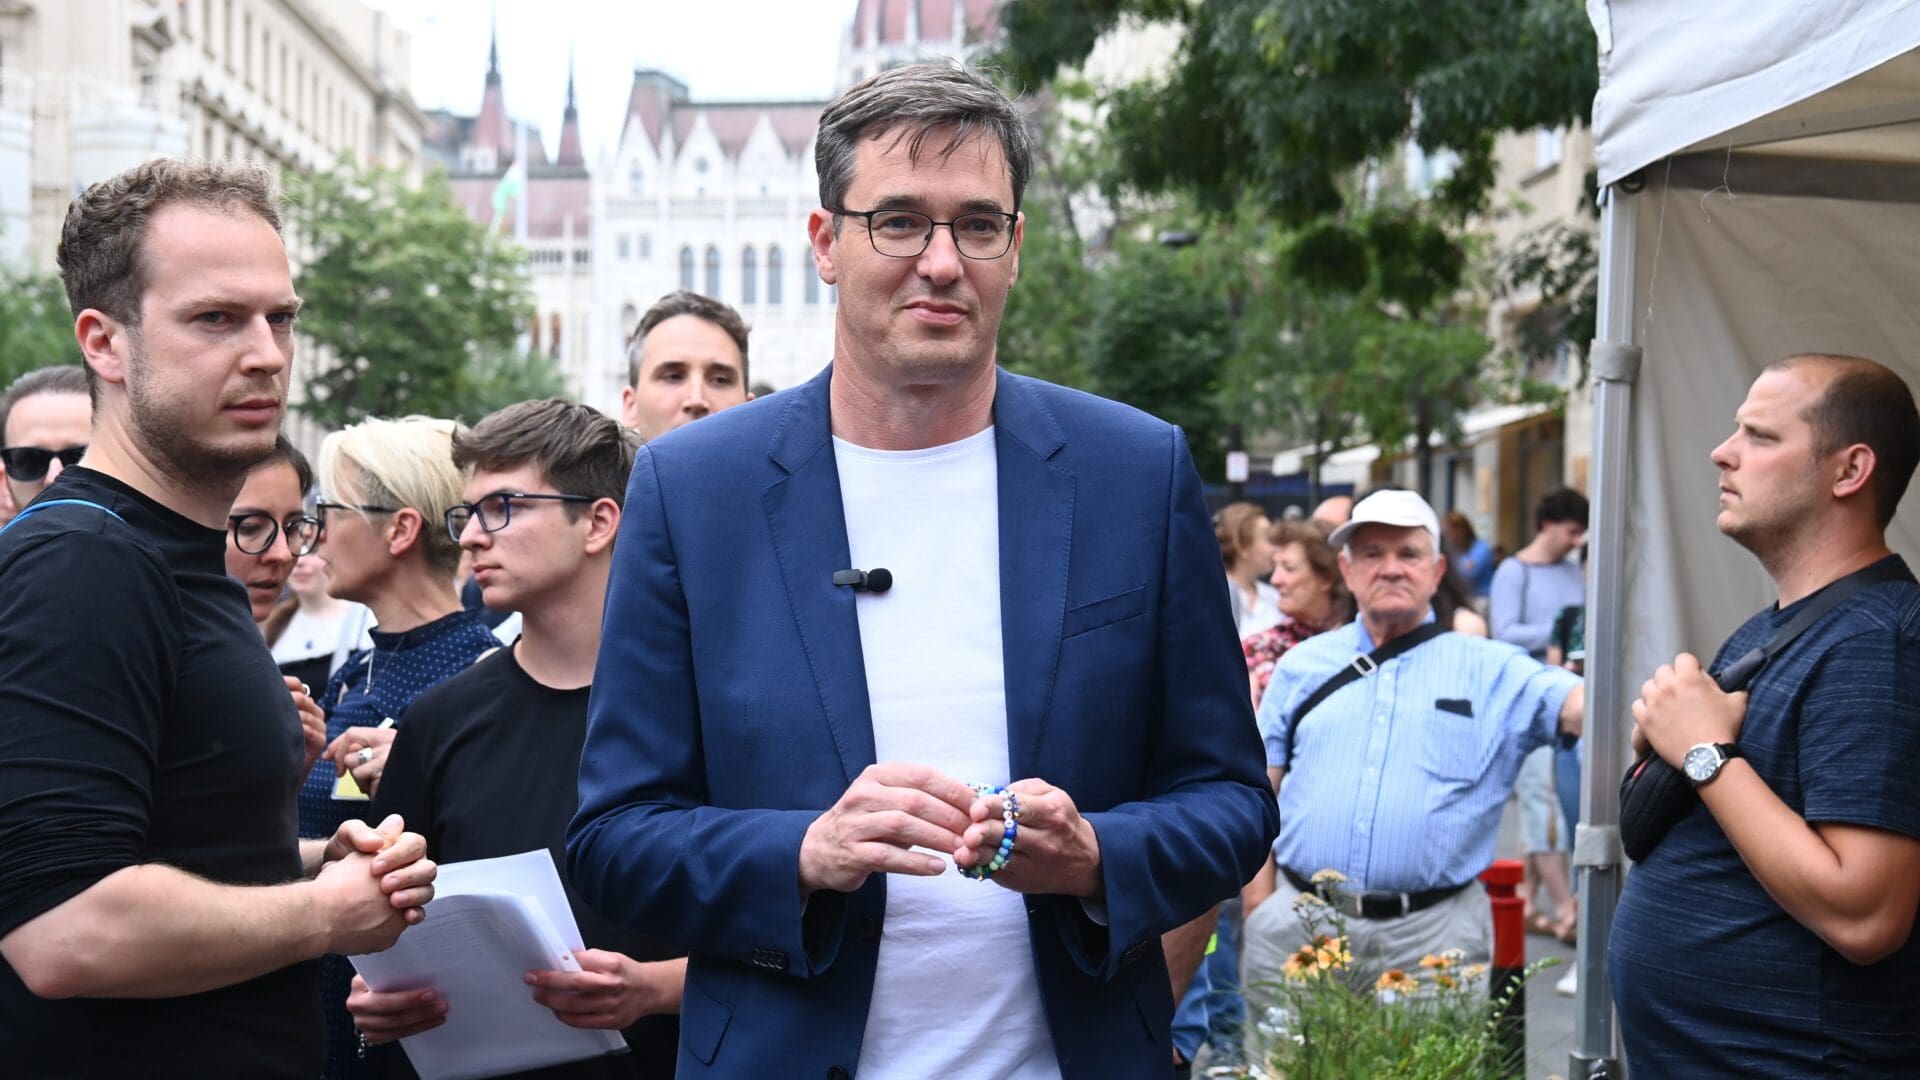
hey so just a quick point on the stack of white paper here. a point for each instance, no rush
(491, 921)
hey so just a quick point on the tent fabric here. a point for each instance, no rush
(1676, 75)
(1729, 279)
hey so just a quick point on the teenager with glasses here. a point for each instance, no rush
(489, 757)
(386, 487)
(45, 423)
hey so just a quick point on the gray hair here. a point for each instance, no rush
(913, 101)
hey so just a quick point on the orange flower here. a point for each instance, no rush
(1396, 980)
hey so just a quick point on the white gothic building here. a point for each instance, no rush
(91, 87)
(706, 195)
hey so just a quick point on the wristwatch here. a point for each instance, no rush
(1704, 761)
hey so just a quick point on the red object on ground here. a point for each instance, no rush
(1509, 931)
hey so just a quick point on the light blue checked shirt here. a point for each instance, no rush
(1401, 774)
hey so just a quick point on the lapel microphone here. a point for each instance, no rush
(876, 580)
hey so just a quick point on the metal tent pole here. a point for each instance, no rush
(1599, 864)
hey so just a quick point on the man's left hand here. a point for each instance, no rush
(1682, 707)
(611, 991)
(1055, 850)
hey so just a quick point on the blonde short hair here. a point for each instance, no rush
(404, 463)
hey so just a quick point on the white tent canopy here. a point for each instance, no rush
(1761, 161)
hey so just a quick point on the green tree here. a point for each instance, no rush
(1283, 117)
(498, 378)
(36, 325)
(413, 301)
(1159, 337)
(1293, 99)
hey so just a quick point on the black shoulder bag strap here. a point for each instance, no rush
(1361, 667)
(1654, 795)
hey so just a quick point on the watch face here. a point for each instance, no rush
(1700, 764)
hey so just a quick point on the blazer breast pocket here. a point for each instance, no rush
(1105, 612)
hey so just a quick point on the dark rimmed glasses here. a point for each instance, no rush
(29, 464)
(904, 234)
(255, 533)
(495, 511)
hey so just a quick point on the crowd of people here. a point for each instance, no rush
(891, 725)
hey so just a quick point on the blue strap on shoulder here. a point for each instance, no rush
(37, 507)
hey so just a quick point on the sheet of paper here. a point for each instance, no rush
(530, 874)
(483, 932)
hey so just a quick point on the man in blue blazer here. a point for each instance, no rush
(794, 764)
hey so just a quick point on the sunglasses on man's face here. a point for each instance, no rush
(29, 464)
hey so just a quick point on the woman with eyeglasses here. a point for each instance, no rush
(268, 528)
(386, 487)
(266, 531)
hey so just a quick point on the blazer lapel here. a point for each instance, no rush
(1036, 535)
(808, 524)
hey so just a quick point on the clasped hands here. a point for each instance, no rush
(893, 807)
(373, 883)
(1682, 707)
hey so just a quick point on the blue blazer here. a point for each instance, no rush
(730, 709)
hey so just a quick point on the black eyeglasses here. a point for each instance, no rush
(904, 234)
(254, 533)
(495, 511)
(322, 507)
(29, 464)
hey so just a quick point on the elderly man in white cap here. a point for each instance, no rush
(1398, 743)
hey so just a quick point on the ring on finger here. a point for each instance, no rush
(364, 755)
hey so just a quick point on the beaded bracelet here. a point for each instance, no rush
(1010, 827)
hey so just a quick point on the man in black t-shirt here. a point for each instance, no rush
(158, 913)
(1771, 931)
(487, 762)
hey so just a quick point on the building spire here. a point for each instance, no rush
(570, 152)
(571, 111)
(493, 47)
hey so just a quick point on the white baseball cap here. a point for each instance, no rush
(1402, 508)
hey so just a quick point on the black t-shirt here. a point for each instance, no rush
(487, 764)
(144, 722)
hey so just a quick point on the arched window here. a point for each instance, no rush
(811, 290)
(535, 333)
(713, 271)
(749, 274)
(553, 327)
(629, 322)
(773, 276)
(686, 267)
(636, 179)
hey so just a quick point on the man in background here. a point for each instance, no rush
(45, 421)
(687, 359)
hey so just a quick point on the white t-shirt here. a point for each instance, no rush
(955, 993)
(306, 636)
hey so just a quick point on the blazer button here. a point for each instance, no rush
(836, 1073)
(1133, 953)
(866, 928)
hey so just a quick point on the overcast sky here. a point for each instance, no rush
(722, 50)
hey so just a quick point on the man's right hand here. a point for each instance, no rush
(891, 807)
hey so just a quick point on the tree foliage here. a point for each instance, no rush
(1290, 99)
(1350, 313)
(36, 325)
(415, 305)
